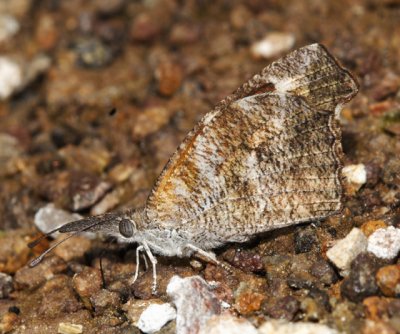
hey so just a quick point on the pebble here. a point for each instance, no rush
(169, 76)
(272, 45)
(150, 121)
(227, 324)
(284, 327)
(6, 285)
(87, 282)
(324, 272)
(304, 240)
(371, 226)
(375, 327)
(9, 26)
(376, 308)
(44, 271)
(247, 300)
(282, 308)
(195, 303)
(74, 248)
(145, 28)
(11, 77)
(49, 217)
(391, 174)
(361, 282)
(133, 308)
(346, 250)
(244, 259)
(183, 34)
(105, 299)
(17, 74)
(67, 328)
(388, 280)
(385, 243)
(92, 53)
(155, 316)
(355, 176)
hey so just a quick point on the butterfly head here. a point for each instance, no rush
(123, 225)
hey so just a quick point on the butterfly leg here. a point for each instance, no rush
(153, 261)
(138, 249)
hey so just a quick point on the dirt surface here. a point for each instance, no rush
(105, 92)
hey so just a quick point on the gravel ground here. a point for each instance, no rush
(94, 98)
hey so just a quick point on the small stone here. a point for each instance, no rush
(376, 308)
(104, 299)
(195, 303)
(150, 121)
(227, 324)
(155, 316)
(283, 308)
(8, 321)
(11, 74)
(394, 308)
(371, 226)
(272, 45)
(391, 174)
(388, 280)
(284, 327)
(9, 26)
(87, 282)
(134, 308)
(355, 176)
(145, 28)
(182, 34)
(92, 53)
(169, 76)
(245, 260)
(44, 271)
(385, 243)
(361, 282)
(248, 301)
(49, 218)
(374, 327)
(6, 285)
(13, 251)
(73, 248)
(121, 172)
(304, 240)
(346, 250)
(324, 272)
(67, 328)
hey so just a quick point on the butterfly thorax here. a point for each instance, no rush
(167, 240)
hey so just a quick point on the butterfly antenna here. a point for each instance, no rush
(37, 260)
(34, 243)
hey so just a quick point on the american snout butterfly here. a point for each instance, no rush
(267, 156)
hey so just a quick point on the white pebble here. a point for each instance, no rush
(272, 45)
(347, 249)
(227, 324)
(284, 327)
(385, 243)
(67, 328)
(355, 174)
(9, 26)
(49, 217)
(11, 77)
(155, 316)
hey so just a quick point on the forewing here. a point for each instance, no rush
(266, 157)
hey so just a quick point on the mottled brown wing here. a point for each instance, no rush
(267, 156)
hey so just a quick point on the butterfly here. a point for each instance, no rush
(267, 156)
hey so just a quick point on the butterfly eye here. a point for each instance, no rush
(126, 228)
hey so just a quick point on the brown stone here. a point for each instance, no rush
(371, 226)
(388, 280)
